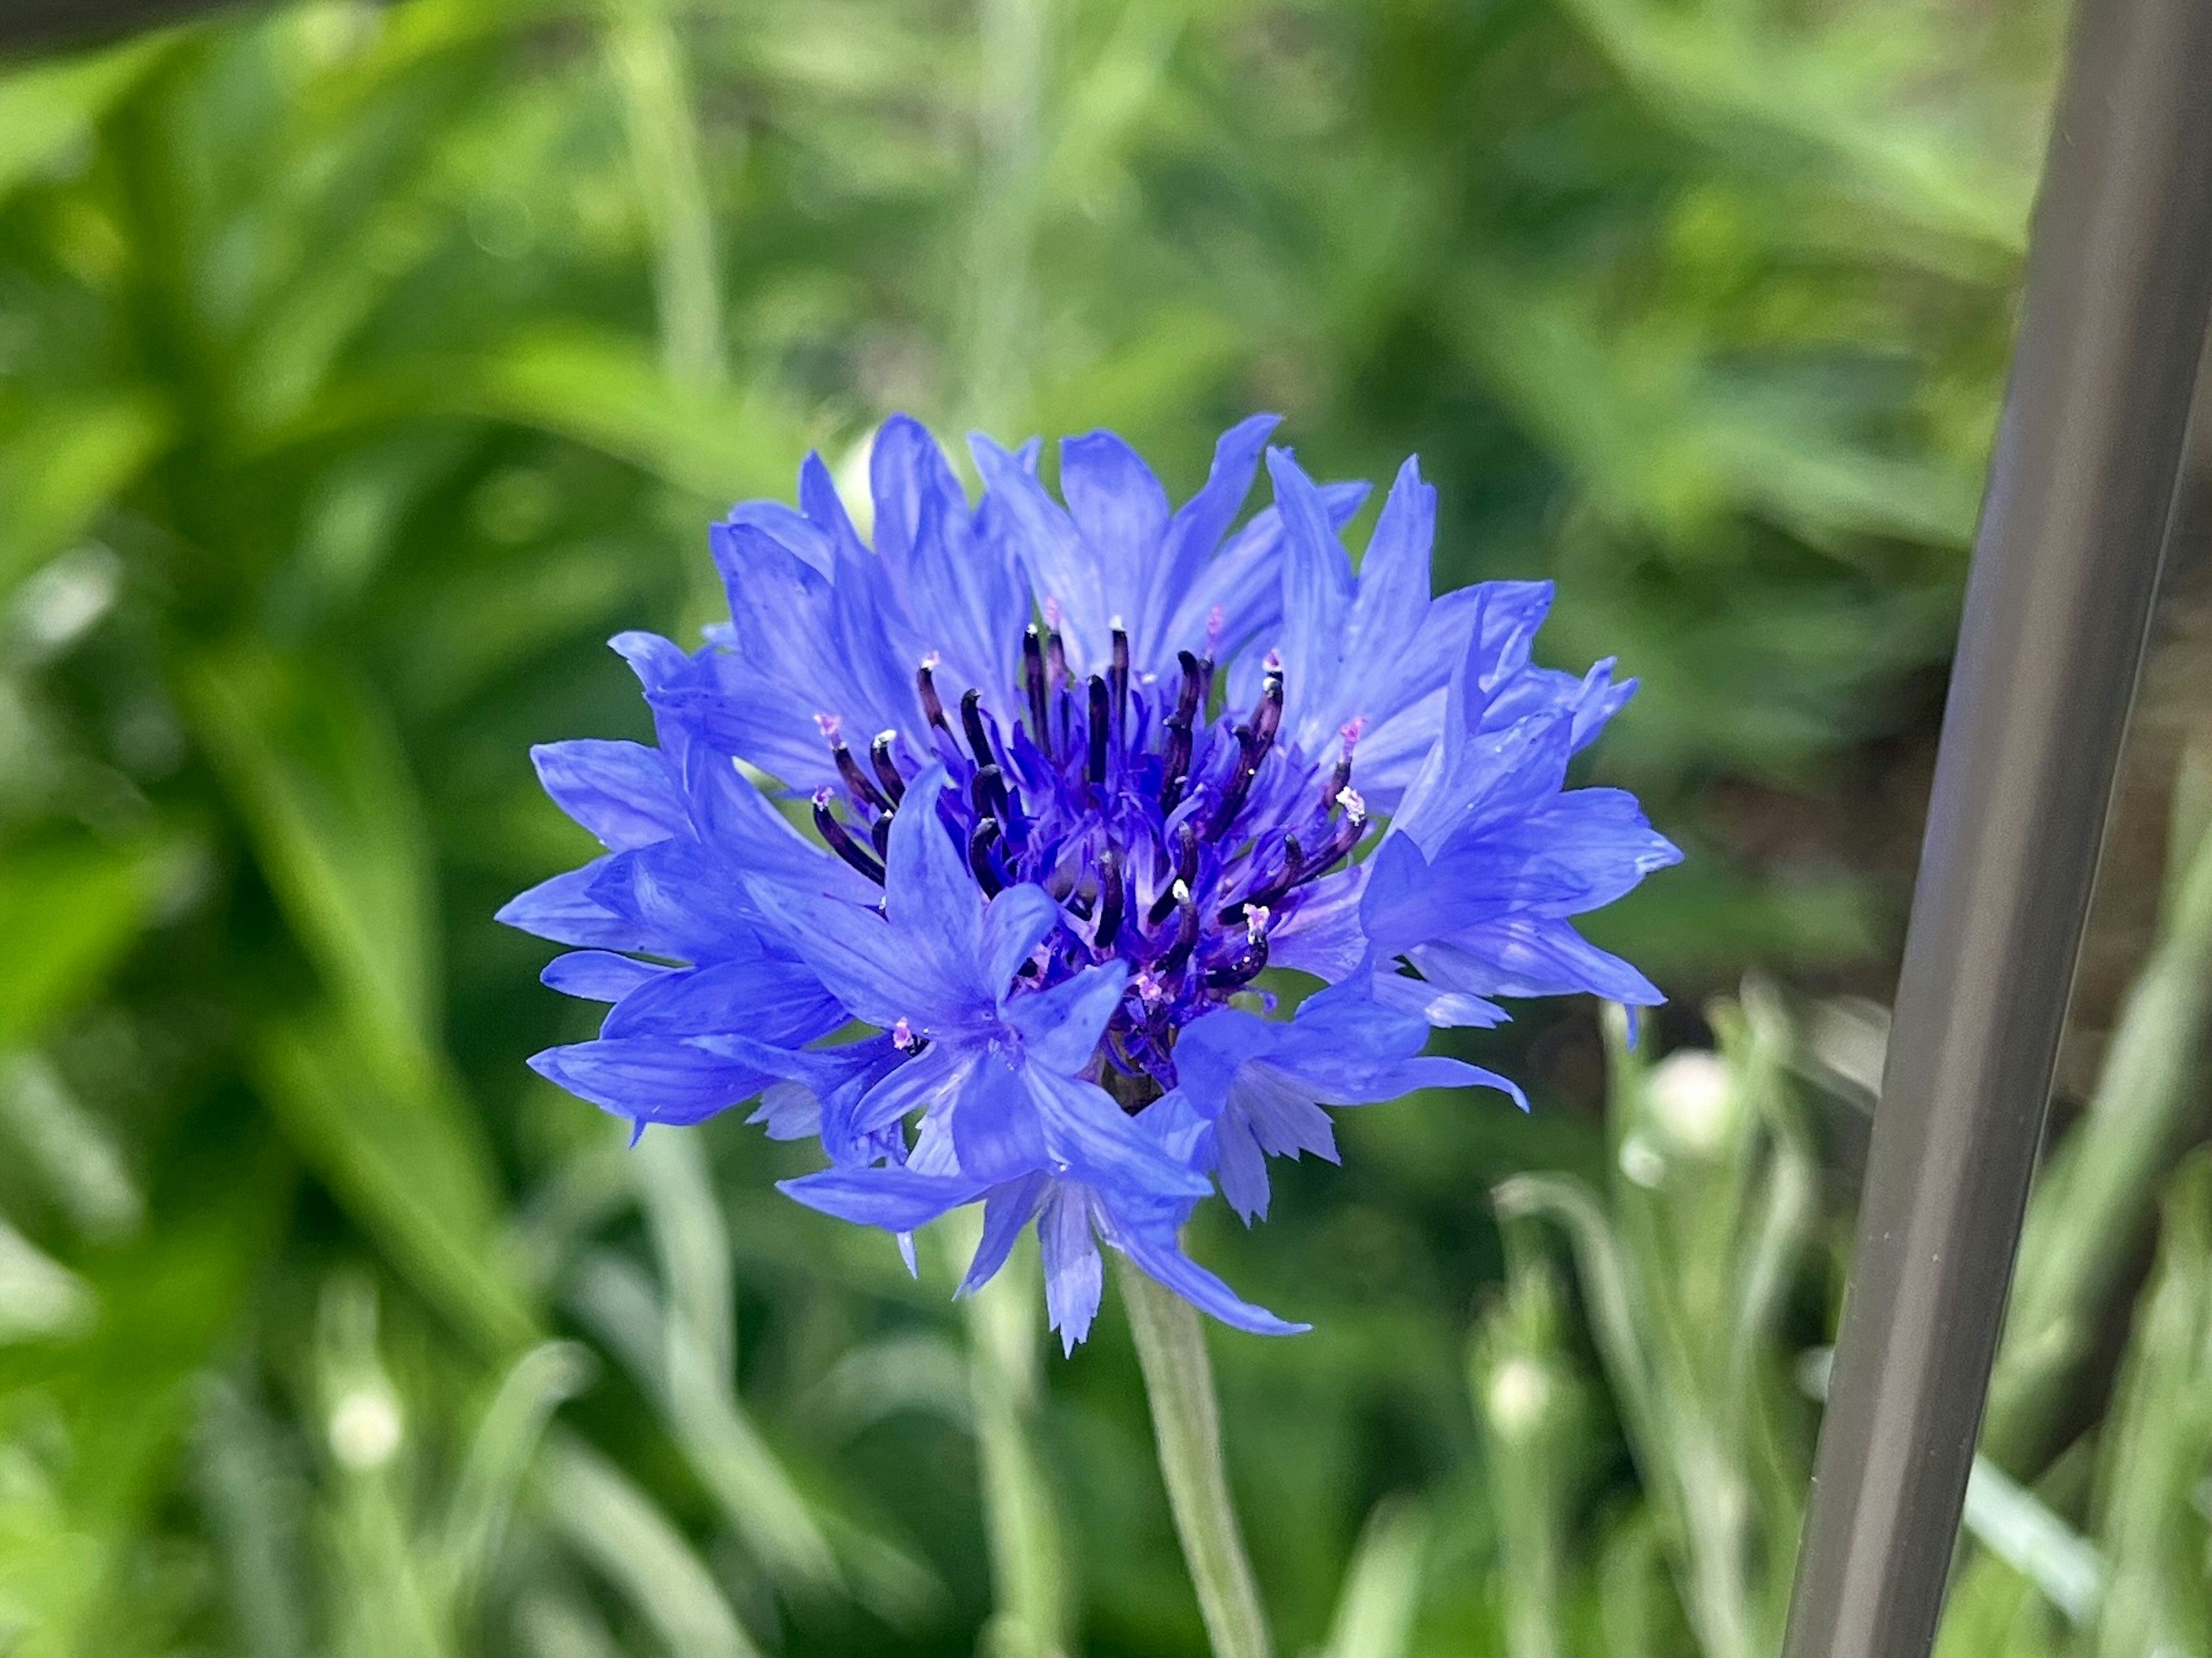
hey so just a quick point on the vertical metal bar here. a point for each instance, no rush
(40, 24)
(2065, 568)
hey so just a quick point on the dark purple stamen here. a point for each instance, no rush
(863, 786)
(1191, 694)
(1186, 871)
(1240, 968)
(887, 771)
(1270, 891)
(1056, 664)
(971, 721)
(879, 832)
(932, 707)
(988, 791)
(1253, 742)
(1174, 760)
(1033, 680)
(1349, 829)
(1098, 715)
(1267, 718)
(980, 860)
(1186, 938)
(1117, 676)
(1110, 900)
(840, 842)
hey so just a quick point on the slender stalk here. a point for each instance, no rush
(1002, 333)
(647, 57)
(2103, 1182)
(1187, 1426)
(1028, 1562)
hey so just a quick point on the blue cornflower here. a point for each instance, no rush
(1077, 775)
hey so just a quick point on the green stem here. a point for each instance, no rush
(1187, 1425)
(647, 60)
(1029, 1565)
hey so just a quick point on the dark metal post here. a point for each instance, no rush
(2120, 285)
(40, 24)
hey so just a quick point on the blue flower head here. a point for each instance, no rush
(1077, 772)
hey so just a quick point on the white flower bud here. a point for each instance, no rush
(1519, 1394)
(366, 1429)
(1691, 1100)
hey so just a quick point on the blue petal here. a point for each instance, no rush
(790, 529)
(599, 975)
(1059, 566)
(650, 1079)
(962, 589)
(1532, 956)
(1015, 923)
(656, 661)
(825, 510)
(737, 710)
(1073, 1274)
(1317, 591)
(1090, 1137)
(770, 999)
(1480, 777)
(1432, 1004)
(1241, 1166)
(1194, 534)
(842, 1080)
(932, 900)
(679, 893)
(788, 1111)
(897, 1199)
(1239, 594)
(563, 909)
(1599, 701)
(1377, 678)
(1409, 899)
(997, 1132)
(1006, 1210)
(1322, 936)
(1591, 845)
(742, 827)
(1286, 1120)
(622, 792)
(1211, 1050)
(1156, 1252)
(909, 476)
(855, 953)
(1061, 1027)
(1121, 512)
(932, 1079)
(967, 601)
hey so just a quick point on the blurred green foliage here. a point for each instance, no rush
(362, 369)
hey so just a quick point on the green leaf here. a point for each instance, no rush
(48, 108)
(2156, 1532)
(68, 912)
(64, 459)
(394, 1144)
(362, 1086)
(316, 773)
(603, 390)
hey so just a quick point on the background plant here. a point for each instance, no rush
(362, 369)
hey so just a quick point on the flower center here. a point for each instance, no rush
(1173, 838)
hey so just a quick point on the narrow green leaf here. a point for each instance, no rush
(62, 459)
